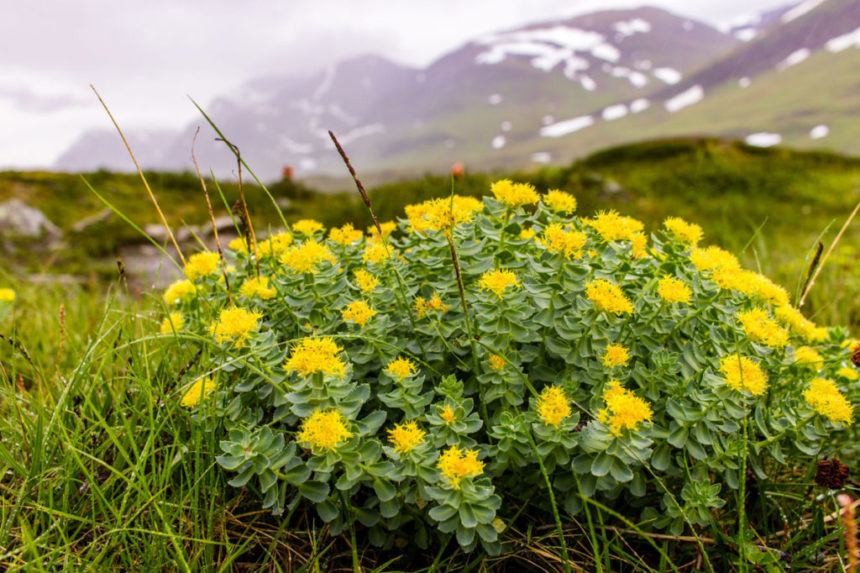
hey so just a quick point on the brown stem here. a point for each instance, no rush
(245, 214)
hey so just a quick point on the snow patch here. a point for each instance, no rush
(840, 43)
(800, 10)
(746, 34)
(499, 142)
(495, 99)
(631, 27)
(685, 98)
(763, 139)
(638, 105)
(819, 131)
(307, 163)
(360, 132)
(606, 52)
(587, 83)
(567, 126)
(670, 76)
(614, 112)
(293, 146)
(325, 85)
(793, 59)
(744, 82)
(643, 65)
(506, 125)
(541, 157)
(548, 119)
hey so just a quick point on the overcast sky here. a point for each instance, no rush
(145, 57)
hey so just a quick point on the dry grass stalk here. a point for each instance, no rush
(142, 177)
(830, 250)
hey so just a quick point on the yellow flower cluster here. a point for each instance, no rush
(456, 464)
(672, 290)
(498, 280)
(324, 430)
(434, 304)
(848, 373)
(616, 355)
(827, 400)
(7, 294)
(447, 414)
(441, 214)
(553, 406)
(235, 324)
(365, 281)
(556, 239)
(387, 227)
(307, 227)
(376, 252)
(179, 291)
(172, 323)
(202, 264)
(560, 201)
(358, 312)
(406, 437)
(808, 358)
(623, 410)
(257, 287)
(497, 363)
(687, 233)
(514, 194)
(345, 235)
(527, 234)
(305, 257)
(275, 245)
(401, 368)
(196, 392)
(315, 355)
(742, 373)
(799, 324)
(759, 327)
(608, 296)
(614, 227)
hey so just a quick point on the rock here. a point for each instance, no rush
(21, 221)
(87, 222)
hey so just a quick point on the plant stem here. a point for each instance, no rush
(551, 501)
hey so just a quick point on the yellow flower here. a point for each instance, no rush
(558, 240)
(799, 324)
(307, 227)
(609, 297)
(7, 294)
(235, 324)
(742, 373)
(456, 464)
(438, 214)
(497, 281)
(765, 289)
(714, 258)
(527, 234)
(623, 409)
(825, 398)
(848, 373)
(305, 257)
(497, 363)
(376, 252)
(401, 368)
(760, 328)
(640, 245)
(172, 323)
(345, 235)
(197, 391)
(275, 245)
(553, 406)
(406, 437)
(388, 227)
(808, 358)
(819, 334)
(324, 430)
(687, 233)
(672, 290)
(257, 286)
(202, 264)
(614, 227)
(514, 194)
(313, 355)
(616, 355)
(179, 291)
(560, 201)
(239, 244)
(425, 307)
(447, 414)
(365, 281)
(358, 312)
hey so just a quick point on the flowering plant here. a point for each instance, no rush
(413, 378)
